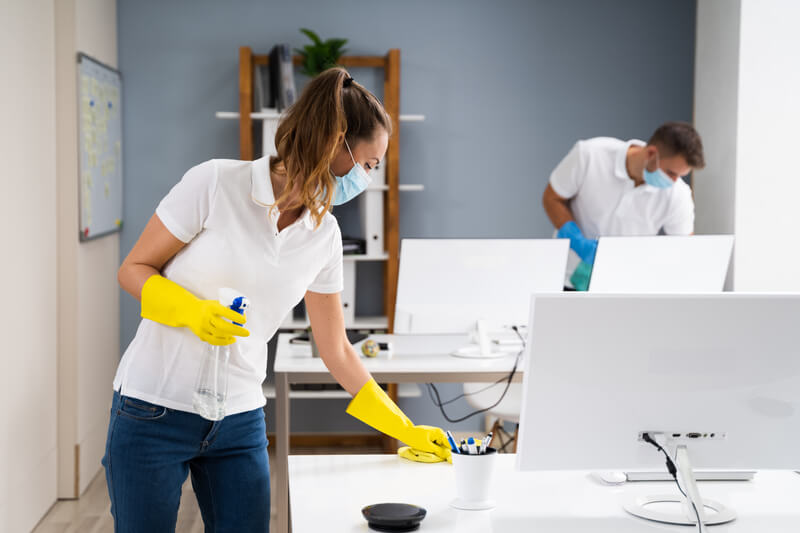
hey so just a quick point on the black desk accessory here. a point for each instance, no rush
(394, 517)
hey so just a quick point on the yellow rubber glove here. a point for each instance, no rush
(168, 303)
(374, 407)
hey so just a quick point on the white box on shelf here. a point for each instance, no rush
(371, 212)
(269, 127)
(378, 174)
(349, 293)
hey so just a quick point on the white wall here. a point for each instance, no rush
(62, 346)
(746, 108)
(716, 99)
(768, 176)
(88, 290)
(28, 450)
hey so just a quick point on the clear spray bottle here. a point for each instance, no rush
(211, 390)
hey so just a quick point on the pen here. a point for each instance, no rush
(452, 441)
(486, 441)
(471, 446)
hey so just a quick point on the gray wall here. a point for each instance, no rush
(506, 87)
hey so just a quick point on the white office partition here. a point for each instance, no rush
(661, 264)
(446, 285)
(725, 366)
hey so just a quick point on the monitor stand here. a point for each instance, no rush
(647, 506)
(483, 350)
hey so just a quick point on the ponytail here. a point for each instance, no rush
(331, 108)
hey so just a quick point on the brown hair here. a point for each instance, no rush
(679, 138)
(331, 108)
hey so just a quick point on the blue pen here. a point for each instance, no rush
(452, 441)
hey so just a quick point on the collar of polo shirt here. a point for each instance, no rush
(621, 170)
(261, 189)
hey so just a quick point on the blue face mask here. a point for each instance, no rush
(657, 178)
(351, 184)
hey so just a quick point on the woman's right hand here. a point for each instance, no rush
(208, 321)
(168, 303)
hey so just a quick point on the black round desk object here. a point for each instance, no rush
(393, 516)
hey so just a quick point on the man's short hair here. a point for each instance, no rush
(679, 138)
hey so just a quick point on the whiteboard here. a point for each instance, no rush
(100, 148)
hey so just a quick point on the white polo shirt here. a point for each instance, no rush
(605, 200)
(221, 210)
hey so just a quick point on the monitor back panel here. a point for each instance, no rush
(446, 285)
(661, 264)
(599, 369)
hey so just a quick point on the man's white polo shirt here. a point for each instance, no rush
(221, 210)
(606, 202)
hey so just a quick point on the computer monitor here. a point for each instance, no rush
(717, 373)
(446, 285)
(661, 264)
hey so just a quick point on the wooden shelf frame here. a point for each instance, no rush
(390, 63)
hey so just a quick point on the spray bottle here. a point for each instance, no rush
(211, 390)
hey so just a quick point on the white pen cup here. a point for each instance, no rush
(473, 475)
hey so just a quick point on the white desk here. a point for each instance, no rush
(328, 492)
(414, 359)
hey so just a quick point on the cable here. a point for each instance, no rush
(437, 401)
(465, 394)
(673, 470)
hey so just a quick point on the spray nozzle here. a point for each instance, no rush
(233, 299)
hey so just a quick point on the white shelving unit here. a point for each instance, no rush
(371, 210)
(272, 113)
(360, 322)
(404, 390)
(366, 257)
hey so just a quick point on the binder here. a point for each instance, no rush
(261, 88)
(281, 73)
(371, 211)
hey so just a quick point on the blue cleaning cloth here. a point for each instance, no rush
(581, 277)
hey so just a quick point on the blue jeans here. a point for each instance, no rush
(151, 449)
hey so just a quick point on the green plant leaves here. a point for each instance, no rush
(311, 35)
(320, 55)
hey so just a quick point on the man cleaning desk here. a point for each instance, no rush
(607, 186)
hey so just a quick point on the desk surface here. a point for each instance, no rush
(328, 492)
(414, 359)
(412, 356)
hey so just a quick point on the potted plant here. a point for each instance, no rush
(320, 55)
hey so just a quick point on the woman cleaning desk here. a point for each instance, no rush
(262, 227)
